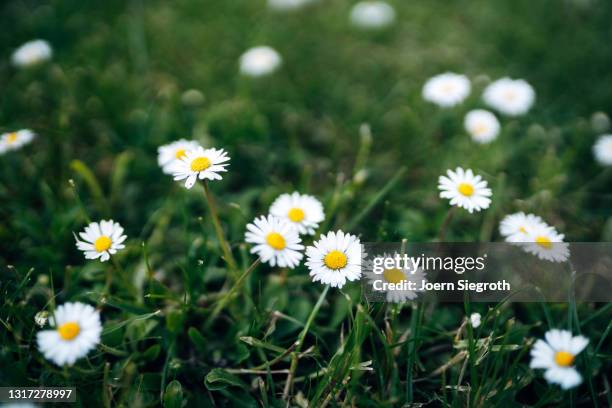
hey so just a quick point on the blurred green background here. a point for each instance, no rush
(128, 76)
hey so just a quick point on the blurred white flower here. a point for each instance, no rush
(482, 125)
(372, 14)
(276, 241)
(15, 140)
(447, 90)
(76, 331)
(475, 320)
(168, 154)
(395, 276)
(287, 5)
(556, 355)
(517, 227)
(602, 149)
(304, 212)
(101, 240)
(510, 97)
(32, 53)
(200, 163)
(260, 61)
(334, 259)
(546, 243)
(465, 190)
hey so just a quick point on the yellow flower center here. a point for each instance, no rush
(523, 230)
(276, 241)
(200, 164)
(394, 275)
(544, 242)
(335, 260)
(448, 88)
(564, 359)
(296, 214)
(12, 137)
(103, 243)
(180, 153)
(510, 95)
(480, 129)
(466, 189)
(68, 331)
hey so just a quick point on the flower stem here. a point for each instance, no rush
(227, 253)
(445, 224)
(300, 342)
(223, 301)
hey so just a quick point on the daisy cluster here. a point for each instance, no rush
(335, 258)
(510, 97)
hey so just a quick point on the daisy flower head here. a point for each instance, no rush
(276, 241)
(482, 125)
(169, 154)
(101, 240)
(260, 61)
(518, 226)
(465, 190)
(287, 5)
(447, 90)
(76, 331)
(334, 259)
(602, 149)
(372, 15)
(32, 53)
(394, 281)
(200, 163)
(304, 212)
(475, 320)
(546, 243)
(556, 355)
(15, 140)
(512, 97)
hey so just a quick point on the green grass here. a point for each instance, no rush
(177, 326)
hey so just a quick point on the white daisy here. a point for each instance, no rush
(372, 14)
(465, 190)
(302, 211)
(516, 227)
(546, 243)
(101, 240)
(76, 331)
(260, 61)
(447, 90)
(168, 154)
(482, 125)
(287, 5)
(556, 355)
(602, 149)
(334, 259)
(395, 276)
(15, 140)
(276, 241)
(475, 320)
(510, 97)
(200, 163)
(32, 53)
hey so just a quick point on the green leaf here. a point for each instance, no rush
(173, 397)
(218, 379)
(197, 339)
(151, 353)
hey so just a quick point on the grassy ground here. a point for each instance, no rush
(127, 77)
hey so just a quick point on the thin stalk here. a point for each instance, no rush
(227, 253)
(222, 302)
(445, 224)
(300, 342)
